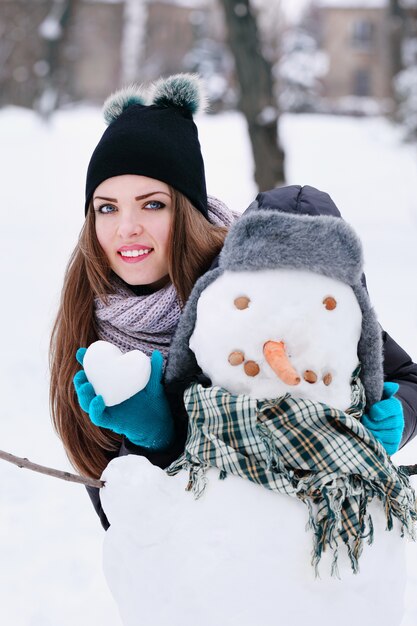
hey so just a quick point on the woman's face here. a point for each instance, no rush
(133, 217)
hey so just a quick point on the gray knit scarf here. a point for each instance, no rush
(147, 322)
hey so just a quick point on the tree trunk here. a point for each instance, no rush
(257, 102)
(396, 24)
(55, 31)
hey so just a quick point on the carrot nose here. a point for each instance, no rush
(277, 358)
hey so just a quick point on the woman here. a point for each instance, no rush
(149, 233)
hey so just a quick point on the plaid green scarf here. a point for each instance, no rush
(323, 456)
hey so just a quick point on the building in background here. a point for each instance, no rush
(355, 36)
(54, 52)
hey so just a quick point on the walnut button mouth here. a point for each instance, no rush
(251, 368)
(236, 357)
(327, 379)
(310, 376)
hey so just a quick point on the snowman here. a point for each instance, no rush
(283, 351)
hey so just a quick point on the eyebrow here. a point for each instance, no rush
(104, 198)
(152, 193)
(146, 195)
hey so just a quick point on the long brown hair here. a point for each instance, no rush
(194, 242)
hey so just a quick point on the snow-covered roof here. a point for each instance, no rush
(352, 4)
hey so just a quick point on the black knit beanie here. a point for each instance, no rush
(152, 133)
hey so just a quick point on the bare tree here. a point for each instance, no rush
(132, 48)
(396, 23)
(403, 32)
(54, 31)
(256, 100)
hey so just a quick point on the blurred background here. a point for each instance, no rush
(263, 57)
(320, 92)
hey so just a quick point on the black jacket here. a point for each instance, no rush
(398, 366)
(161, 458)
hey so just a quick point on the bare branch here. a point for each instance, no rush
(410, 469)
(49, 471)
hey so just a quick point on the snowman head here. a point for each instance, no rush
(268, 332)
(285, 311)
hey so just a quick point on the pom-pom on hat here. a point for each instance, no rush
(151, 132)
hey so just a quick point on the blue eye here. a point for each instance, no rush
(154, 205)
(104, 209)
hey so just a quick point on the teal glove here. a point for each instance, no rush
(145, 418)
(386, 419)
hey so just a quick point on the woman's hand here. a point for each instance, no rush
(386, 419)
(145, 418)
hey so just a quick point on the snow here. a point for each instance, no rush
(352, 4)
(116, 376)
(243, 563)
(405, 84)
(134, 30)
(106, 1)
(292, 9)
(285, 305)
(189, 4)
(50, 29)
(268, 115)
(50, 538)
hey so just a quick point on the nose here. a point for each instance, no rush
(277, 357)
(129, 224)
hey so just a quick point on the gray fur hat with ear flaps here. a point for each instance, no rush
(296, 228)
(151, 132)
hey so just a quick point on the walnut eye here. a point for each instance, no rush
(241, 303)
(236, 357)
(330, 303)
(251, 368)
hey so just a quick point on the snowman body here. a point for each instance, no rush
(316, 317)
(240, 555)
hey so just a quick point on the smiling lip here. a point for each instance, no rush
(134, 253)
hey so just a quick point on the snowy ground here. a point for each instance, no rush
(50, 538)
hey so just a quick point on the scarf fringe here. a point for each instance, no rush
(197, 480)
(325, 508)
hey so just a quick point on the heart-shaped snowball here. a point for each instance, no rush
(114, 375)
